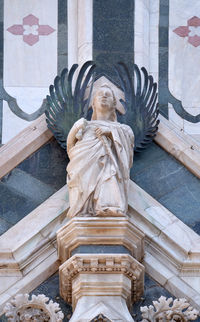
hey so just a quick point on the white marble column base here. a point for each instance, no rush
(113, 308)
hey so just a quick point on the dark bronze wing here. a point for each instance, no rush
(64, 106)
(140, 104)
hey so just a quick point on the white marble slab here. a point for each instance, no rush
(141, 32)
(182, 146)
(153, 39)
(184, 62)
(80, 31)
(191, 128)
(175, 118)
(26, 62)
(12, 124)
(29, 99)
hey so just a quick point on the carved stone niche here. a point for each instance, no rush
(100, 231)
(108, 282)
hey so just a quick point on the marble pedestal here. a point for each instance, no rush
(101, 271)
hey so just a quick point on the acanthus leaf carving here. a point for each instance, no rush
(21, 308)
(180, 310)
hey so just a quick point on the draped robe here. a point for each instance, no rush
(98, 171)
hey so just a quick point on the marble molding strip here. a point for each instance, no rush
(79, 31)
(181, 146)
(23, 145)
(172, 249)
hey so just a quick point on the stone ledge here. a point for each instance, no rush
(30, 281)
(99, 231)
(29, 243)
(166, 236)
(39, 229)
(183, 147)
(23, 145)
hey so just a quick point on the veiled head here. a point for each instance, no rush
(104, 103)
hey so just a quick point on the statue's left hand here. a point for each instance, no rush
(99, 132)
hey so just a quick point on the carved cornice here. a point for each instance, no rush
(102, 264)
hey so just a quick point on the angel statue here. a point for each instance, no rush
(100, 149)
(101, 154)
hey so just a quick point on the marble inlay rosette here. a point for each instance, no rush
(31, 29)
(191, 31)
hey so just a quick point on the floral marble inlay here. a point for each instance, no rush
(31, 30)
(192, 31)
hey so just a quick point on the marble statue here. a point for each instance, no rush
(101, 155)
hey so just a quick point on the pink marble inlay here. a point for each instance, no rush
(191, 31)
(30, 20)
(45, 30)
(194, 41)
(31, 39)
(182, 31)
(194, 21)
(31, 30)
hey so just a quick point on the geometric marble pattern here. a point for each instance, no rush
(31, 183)
(169, 182)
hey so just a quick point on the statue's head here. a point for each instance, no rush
(104, 102)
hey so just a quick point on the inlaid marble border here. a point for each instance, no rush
(165, 97)
(16, 107)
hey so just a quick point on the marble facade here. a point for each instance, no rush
(82, 19)
(184, 51)
(171, 248)
(169, 259)
(30, 31)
